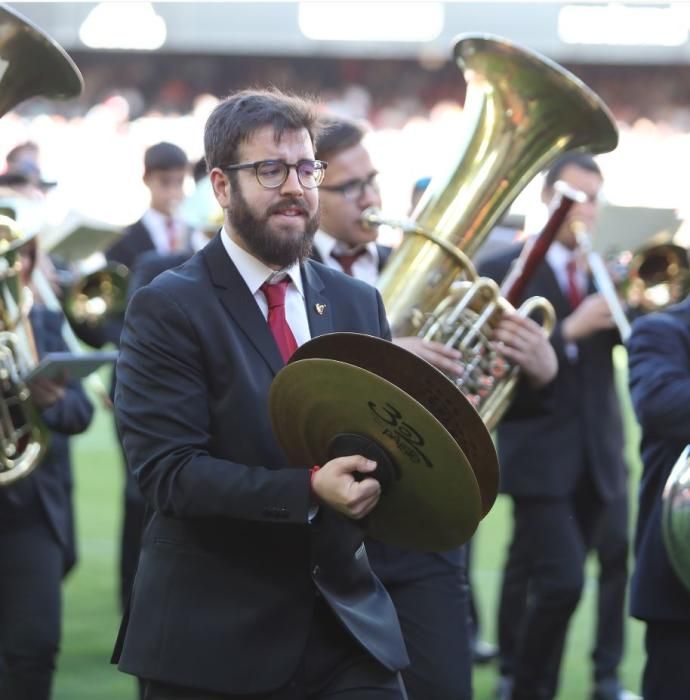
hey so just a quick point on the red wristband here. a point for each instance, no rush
(312, 473)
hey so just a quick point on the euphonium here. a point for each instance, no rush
(23, 438)
(675, 517)
(521, 111)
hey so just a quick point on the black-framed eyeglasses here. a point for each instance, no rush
(354, 189)
(273, 173)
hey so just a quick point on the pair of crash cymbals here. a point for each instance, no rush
(348, 393)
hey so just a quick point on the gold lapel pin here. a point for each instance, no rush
(320, 309)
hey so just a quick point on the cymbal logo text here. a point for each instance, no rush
(408, 440)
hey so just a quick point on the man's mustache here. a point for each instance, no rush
(294, 203)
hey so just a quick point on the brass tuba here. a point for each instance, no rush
(522, 111)
(33, 65)
(675, 517)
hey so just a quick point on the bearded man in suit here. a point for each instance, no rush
(252, 580)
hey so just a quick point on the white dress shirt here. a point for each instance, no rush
(157, 225)
(255, 273)
(365, 268)
(558, 257)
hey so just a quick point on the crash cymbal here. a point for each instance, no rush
(428, 386)
(430, 497)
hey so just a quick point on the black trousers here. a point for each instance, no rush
(667, 670)
(543, 581)
(434, 616)
(333, 665)
(610, 541)
(611, 545)
(31, 570)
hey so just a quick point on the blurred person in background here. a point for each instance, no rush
(159, 230)
(37, 544)
(253, 581)
(563, 466)
(659, 366)
(203, 216)
(23, 171)
(429, 590)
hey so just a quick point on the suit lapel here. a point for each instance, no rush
(240, 303)
(319, 311)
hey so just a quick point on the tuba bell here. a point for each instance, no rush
(675, 517)
(33, 64)
(522, 111)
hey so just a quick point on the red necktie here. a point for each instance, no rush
(275, 297)
(346, 260)
(172, 238)
(575, 295)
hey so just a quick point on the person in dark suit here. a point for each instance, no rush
(253, 580)
(37, 545)
(429, 590)
(561, 456)
(149, 265)
(659, 362)
(159, 230)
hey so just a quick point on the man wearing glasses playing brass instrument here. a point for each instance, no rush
(429, 590)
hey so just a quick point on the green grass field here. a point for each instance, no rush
(91, 616)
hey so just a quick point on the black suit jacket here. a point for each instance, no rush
(229, 568)
(135, 240)
(548, 438)
(151, 264)
(659, 360)
(49, 486)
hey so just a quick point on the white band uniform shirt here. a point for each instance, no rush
(365, 267)
(158, 225)
(255, 273)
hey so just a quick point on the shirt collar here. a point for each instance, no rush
(325, 244)
(254, 272)
(558, 255)
(156, 217)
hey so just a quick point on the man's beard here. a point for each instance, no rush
(272, 246)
